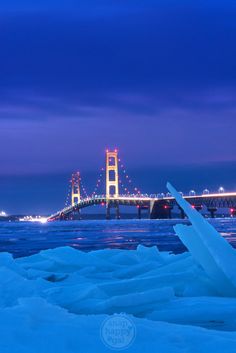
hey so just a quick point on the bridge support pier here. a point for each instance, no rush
(198, 207)
(108, 210)
(117, 212)
(182, 214)
(161, 210)
(212, 211)
(143, 207)
(139, 212)
(62, 217)
(77, 216)
(169, 209)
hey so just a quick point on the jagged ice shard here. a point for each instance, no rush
(208, 247)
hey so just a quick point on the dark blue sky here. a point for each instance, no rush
(157, 79)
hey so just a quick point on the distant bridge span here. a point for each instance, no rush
(158, 206)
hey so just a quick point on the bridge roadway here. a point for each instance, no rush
(158, 207)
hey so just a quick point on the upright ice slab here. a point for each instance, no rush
(208, 247)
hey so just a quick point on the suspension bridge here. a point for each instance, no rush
(120, 191)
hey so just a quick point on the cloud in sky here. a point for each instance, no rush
(148, 78)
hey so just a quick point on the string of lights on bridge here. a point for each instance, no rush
(99, 181)
(68, 197)
(128, 183)
(126, 186)
(114, 187)
(83, 190)
(125, 182)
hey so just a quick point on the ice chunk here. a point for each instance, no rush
(149, 253)
(6, 260)
(208, 247)
(213, 313)
(14, 286)
(37, 326)
(135, 303)
(135, 270)
(50, 307)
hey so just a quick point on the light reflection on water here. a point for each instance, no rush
(22, 239)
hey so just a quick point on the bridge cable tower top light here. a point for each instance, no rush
(112, 175)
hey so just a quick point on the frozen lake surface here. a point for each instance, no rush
(23, 239)
(139, 299)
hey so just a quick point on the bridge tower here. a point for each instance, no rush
(75, 188)
(112, 182)
(112, 175)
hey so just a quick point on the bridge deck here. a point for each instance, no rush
(210, 200)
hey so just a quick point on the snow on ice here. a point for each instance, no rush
(56, 301)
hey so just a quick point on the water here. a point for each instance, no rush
(23, 239)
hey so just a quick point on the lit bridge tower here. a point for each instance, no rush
(75, 193)
(112, 182)
(75, 188)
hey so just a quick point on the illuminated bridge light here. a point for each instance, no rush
(206, 192)
(221, 190)
(192, 193)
